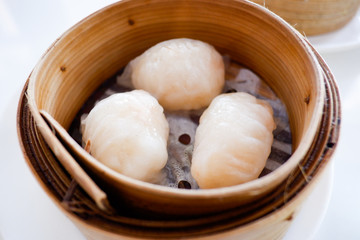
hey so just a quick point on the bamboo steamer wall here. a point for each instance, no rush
(96, 48)
(313, 17)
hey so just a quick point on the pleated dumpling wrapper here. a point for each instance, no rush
(233, 141)
(181, 73)
(128, 132)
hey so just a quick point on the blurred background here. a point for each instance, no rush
(27, 29)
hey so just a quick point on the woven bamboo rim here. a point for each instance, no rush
(256, 219)
(316, 16)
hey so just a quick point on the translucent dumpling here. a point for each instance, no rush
(233, 140)
(128, 132)
(181, 73)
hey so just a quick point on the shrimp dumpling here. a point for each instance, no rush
(182, 74)
(233, 141)
(128, 132)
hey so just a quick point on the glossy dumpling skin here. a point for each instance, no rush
(181, 73)
(233, 141)
(128, 132)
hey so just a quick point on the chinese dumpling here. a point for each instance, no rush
(233, 141)
(182, 74)
(128, 132)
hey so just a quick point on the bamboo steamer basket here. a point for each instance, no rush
(97, 47)
(313, 17)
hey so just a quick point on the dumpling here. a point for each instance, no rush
(233, 141)
(128, 132)
(182, 74)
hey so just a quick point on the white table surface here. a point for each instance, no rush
(27, 28)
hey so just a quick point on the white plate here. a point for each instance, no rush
(347, 37)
